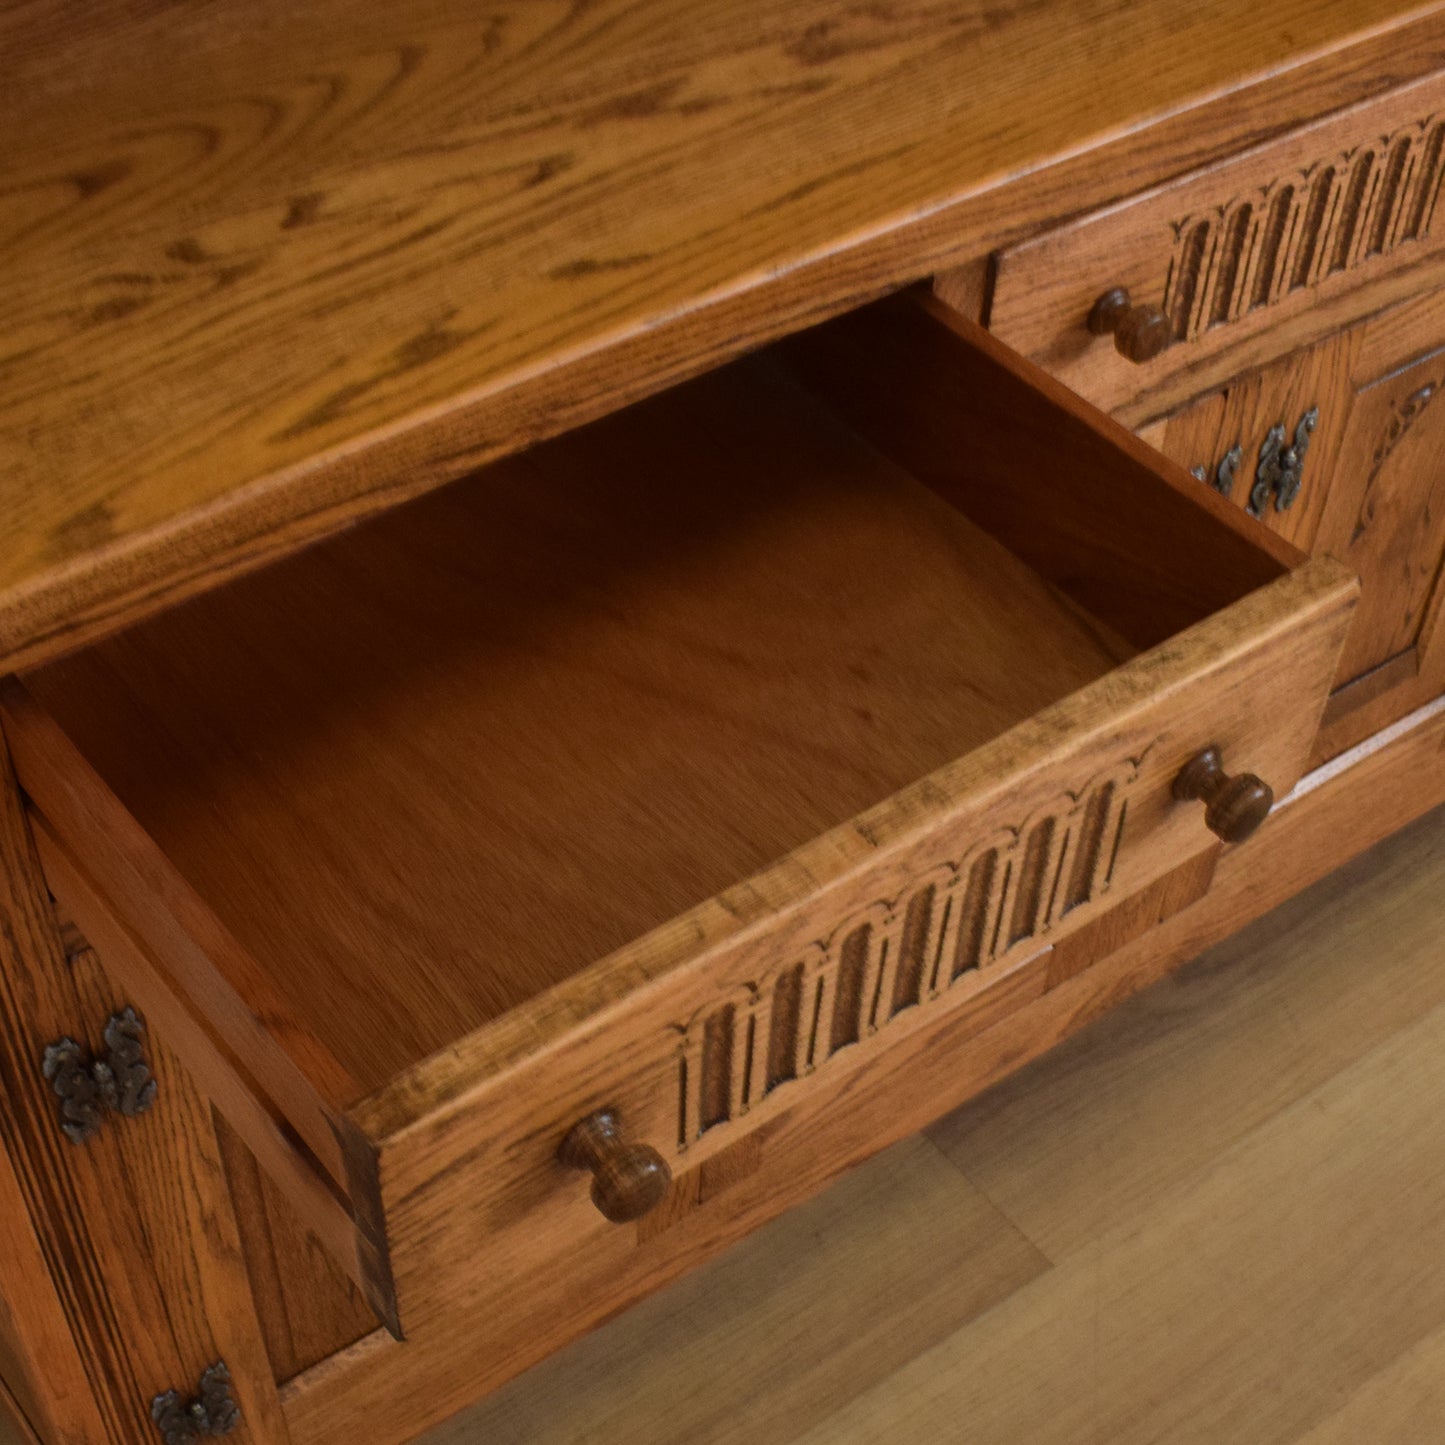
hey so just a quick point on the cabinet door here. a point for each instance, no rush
(1339, 447)
(121, 1278)
(1239, 439)
(1386, 519)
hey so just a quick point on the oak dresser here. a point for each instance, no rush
(606, 608)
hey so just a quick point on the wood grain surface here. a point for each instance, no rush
(454, 757)
(135, 1226)
(307, 1309)
(42, 1372)
(272, 267)
(1260, 246)
(406, 811)
(1214, 1216)
(1069, 490)
(1338, 811)
(1369, 494)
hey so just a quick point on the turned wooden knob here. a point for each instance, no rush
(627, 1179)
(1233, 806)
(1140, 332)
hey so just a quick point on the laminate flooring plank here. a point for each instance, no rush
(1404, 1404)
(757, 1346)
(1247, 1304)
(1099, 1130)
(1239, 1174)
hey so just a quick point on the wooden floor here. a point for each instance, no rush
(1217, 1216)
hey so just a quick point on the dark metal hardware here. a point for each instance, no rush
(1279, 473)
(119, 1080)
(213, 1412)
(1281, 466)
(1224, 474)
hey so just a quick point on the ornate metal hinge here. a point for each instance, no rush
(212, 1412)
(119, 1080)
(1223, 479)
(1281, 467)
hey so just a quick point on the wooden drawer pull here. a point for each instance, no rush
(1140, 332)
(1233, 806)
(627, 1179)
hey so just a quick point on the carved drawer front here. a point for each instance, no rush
(1273, 241)
(540, 850)
(955, 928)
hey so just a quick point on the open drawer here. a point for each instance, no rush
(672, 768)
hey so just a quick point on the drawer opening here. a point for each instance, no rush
(565, 739)
(432, 767)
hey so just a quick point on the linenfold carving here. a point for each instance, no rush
(1333, 215)
(997, 902)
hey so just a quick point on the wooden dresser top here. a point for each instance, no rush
(271, 267)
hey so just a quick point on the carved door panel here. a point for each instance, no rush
(1366, 484)
(1387, 520)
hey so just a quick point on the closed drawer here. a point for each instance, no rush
(680, 767)
(1270, 250)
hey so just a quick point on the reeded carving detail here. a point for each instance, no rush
(999, 900)
(1335, 214)
(119, 1080)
